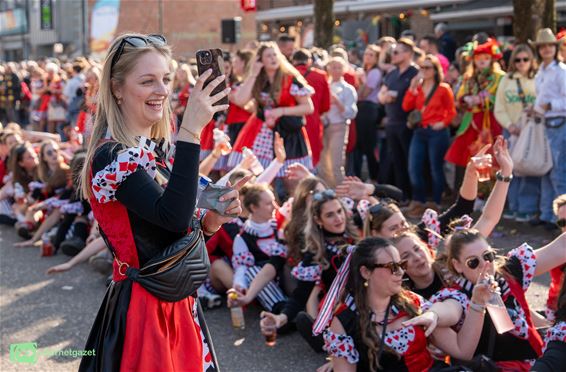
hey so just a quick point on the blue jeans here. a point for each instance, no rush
(524, 194)
(432, 145)
(554, 182)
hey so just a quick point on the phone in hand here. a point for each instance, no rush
(212, 59)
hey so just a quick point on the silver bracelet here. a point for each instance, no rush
(477, 307)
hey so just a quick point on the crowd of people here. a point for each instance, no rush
(379, 267)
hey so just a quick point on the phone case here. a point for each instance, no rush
(209, 198)
(212, 59)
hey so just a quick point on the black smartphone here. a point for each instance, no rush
(212, 59)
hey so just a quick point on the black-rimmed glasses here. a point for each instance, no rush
(137, 42)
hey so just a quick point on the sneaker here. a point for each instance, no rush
(102, 263)
(72, 246)
(208, 299)
(510, 215)
(25, 229)
(524, 217)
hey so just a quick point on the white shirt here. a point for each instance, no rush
(551, 88)
(348, 97)
(70, 90)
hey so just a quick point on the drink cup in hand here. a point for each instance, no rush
(270, 333)
(483, 165)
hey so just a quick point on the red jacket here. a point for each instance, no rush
(440, 108)
(317, 79)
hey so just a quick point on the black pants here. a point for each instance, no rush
(366, 138)
(398, 138)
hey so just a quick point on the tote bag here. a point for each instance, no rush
(531, 153)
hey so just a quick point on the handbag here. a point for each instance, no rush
(531, 152)
(415, 117)
(56, 112)
(177, 272)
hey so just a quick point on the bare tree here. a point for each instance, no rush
(323, 22)
(549, 15)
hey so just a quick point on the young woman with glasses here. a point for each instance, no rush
(435, 101)
(328, 232)
(143, 204)
(514, 102)
(467, 250)
(372, 328)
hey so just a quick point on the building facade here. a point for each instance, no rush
(41, 28)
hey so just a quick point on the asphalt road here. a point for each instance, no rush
(57, 312)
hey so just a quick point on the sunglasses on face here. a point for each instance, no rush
(561, 223)
(474, 262)
(518, 60)
(324, 195)
(50, 152)
(394, 267)
(137, 42)
(426, 67)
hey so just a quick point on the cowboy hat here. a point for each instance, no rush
(544, 36)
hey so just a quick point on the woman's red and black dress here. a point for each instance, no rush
(139, 218)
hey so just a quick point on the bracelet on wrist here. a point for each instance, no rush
(477, 307)
(500, 177)
(193, 134)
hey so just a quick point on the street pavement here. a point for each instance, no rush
(57, 312)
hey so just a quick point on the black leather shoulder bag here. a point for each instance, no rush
(177, 272)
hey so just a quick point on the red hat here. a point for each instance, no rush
(489, 47)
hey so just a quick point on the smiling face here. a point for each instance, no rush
(482, 61)
(417, 255)
(335, 70)
(381, 279)
(263, 210)
(332, 217)
(470, 252)
(145, 90)
(392, 226)
(427, 70)
(522, 62)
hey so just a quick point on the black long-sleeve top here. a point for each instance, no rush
(158, 215)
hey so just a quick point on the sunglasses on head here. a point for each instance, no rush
(561, 223)
(526, 59)
(474, 262)
(324, 195)
(137, 42)
(394, 267)
(376, 208)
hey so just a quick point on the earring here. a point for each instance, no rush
(119, 100)
(366, 284)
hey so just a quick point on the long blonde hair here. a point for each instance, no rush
(108, 115)
(285, 69)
